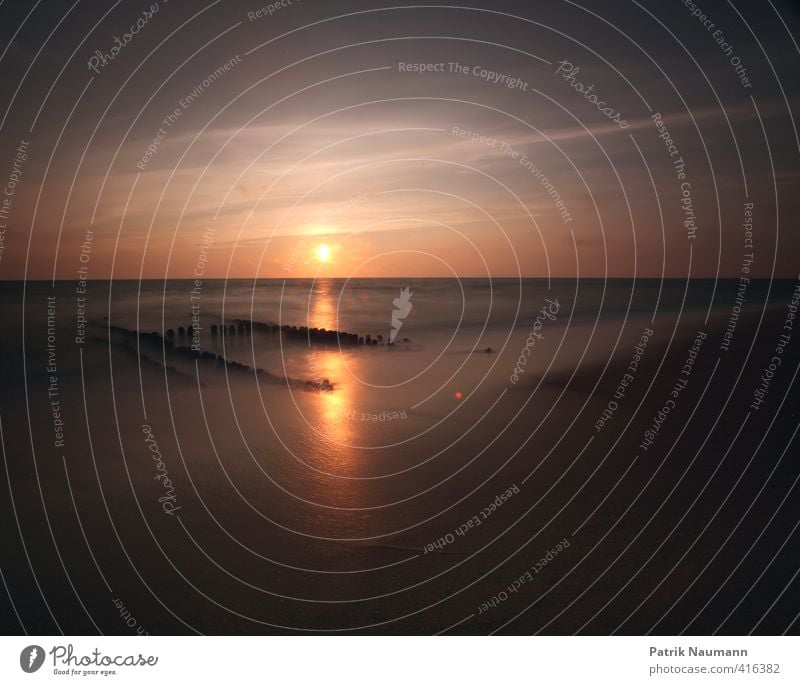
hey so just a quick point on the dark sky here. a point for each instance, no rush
(310, 127)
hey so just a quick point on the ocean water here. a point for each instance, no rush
(366, 304)
(442, 309)
(448, 320)
(300, 483)
(457, 339)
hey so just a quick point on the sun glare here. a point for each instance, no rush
(323, 253)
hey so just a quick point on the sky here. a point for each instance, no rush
(230, 139)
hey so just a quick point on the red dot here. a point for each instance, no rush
(458, 395)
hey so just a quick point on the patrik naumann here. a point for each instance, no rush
(696, 651)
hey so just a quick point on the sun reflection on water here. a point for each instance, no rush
(322, 306)
(333, 421)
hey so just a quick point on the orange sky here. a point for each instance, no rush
(401, 174)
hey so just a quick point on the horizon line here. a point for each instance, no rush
(386, 278)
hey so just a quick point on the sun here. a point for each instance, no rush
(323, 252)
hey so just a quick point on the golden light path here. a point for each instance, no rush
(334, 407)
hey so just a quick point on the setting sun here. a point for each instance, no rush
(323, 253)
